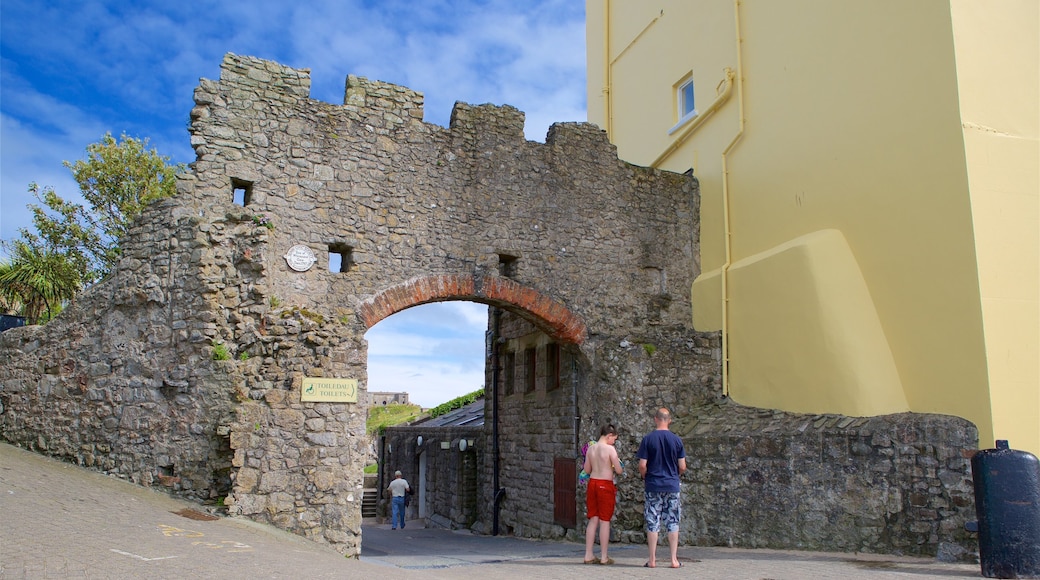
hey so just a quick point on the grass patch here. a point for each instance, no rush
(371, 469)
(220, 351)
(381, 417)
(308, 314)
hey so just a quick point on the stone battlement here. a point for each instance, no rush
(395, 100)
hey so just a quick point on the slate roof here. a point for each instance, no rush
(472, 415)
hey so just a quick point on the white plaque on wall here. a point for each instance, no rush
(300, 258)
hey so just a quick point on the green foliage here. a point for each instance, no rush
(380, 417)
(36, 282)
(220, 351)
(371, 469)
(308, 314)
(650, 349)
(117, 180)
(274, 301)
(262, 220)
(243, 355)
(72, 245)
(456, 403)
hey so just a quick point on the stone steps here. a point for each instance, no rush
(370, 503)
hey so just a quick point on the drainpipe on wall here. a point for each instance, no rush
(607, 112)
(500, 494)
(727, 229)
(577, 428)
(382, 464)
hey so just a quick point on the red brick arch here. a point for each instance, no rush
(558, 321)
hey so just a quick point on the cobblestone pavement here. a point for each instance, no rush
(61, 521)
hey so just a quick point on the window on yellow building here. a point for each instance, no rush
(686, 103)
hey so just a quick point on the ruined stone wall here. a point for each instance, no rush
(124, 380)
(896, 484)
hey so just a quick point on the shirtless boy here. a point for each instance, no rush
(601, 463)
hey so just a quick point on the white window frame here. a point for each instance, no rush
(680, 102)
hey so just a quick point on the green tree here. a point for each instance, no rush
(74, 245)
(117, 179)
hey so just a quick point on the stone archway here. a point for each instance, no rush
(553, 317)
(594, 253)
(535, 355)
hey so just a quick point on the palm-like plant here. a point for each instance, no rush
(37, 281)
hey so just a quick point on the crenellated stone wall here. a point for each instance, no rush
(184, 368)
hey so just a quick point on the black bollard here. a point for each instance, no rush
(1007, 504)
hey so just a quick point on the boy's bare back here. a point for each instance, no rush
(601, 459)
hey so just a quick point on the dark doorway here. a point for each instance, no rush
(565, 510)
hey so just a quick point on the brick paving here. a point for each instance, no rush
(61, 521)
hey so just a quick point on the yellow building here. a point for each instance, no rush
(869, 175)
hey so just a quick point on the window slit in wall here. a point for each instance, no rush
(507, 265)
(341, 258)
(242, 192)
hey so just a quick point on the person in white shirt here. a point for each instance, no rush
(398, 488)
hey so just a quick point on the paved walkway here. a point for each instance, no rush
(60, 521)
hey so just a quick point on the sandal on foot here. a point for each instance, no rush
(592, 561)
(609, 562)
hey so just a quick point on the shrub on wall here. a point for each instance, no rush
(456, 403)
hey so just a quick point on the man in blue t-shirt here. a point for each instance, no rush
(662, 459)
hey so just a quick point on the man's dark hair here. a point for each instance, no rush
(663, 414)
(607, 429)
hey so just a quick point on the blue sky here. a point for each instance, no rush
(74, 70)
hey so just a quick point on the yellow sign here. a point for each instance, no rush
(329, 390)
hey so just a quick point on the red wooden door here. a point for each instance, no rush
(565, 480)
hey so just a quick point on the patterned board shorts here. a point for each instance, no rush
(662, 507)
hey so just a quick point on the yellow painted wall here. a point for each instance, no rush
(883, 252)
(1000, 118)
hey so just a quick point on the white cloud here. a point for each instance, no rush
(428, 385)
(502, 53)
(434, 352)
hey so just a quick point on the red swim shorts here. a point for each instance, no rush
(600, 499)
